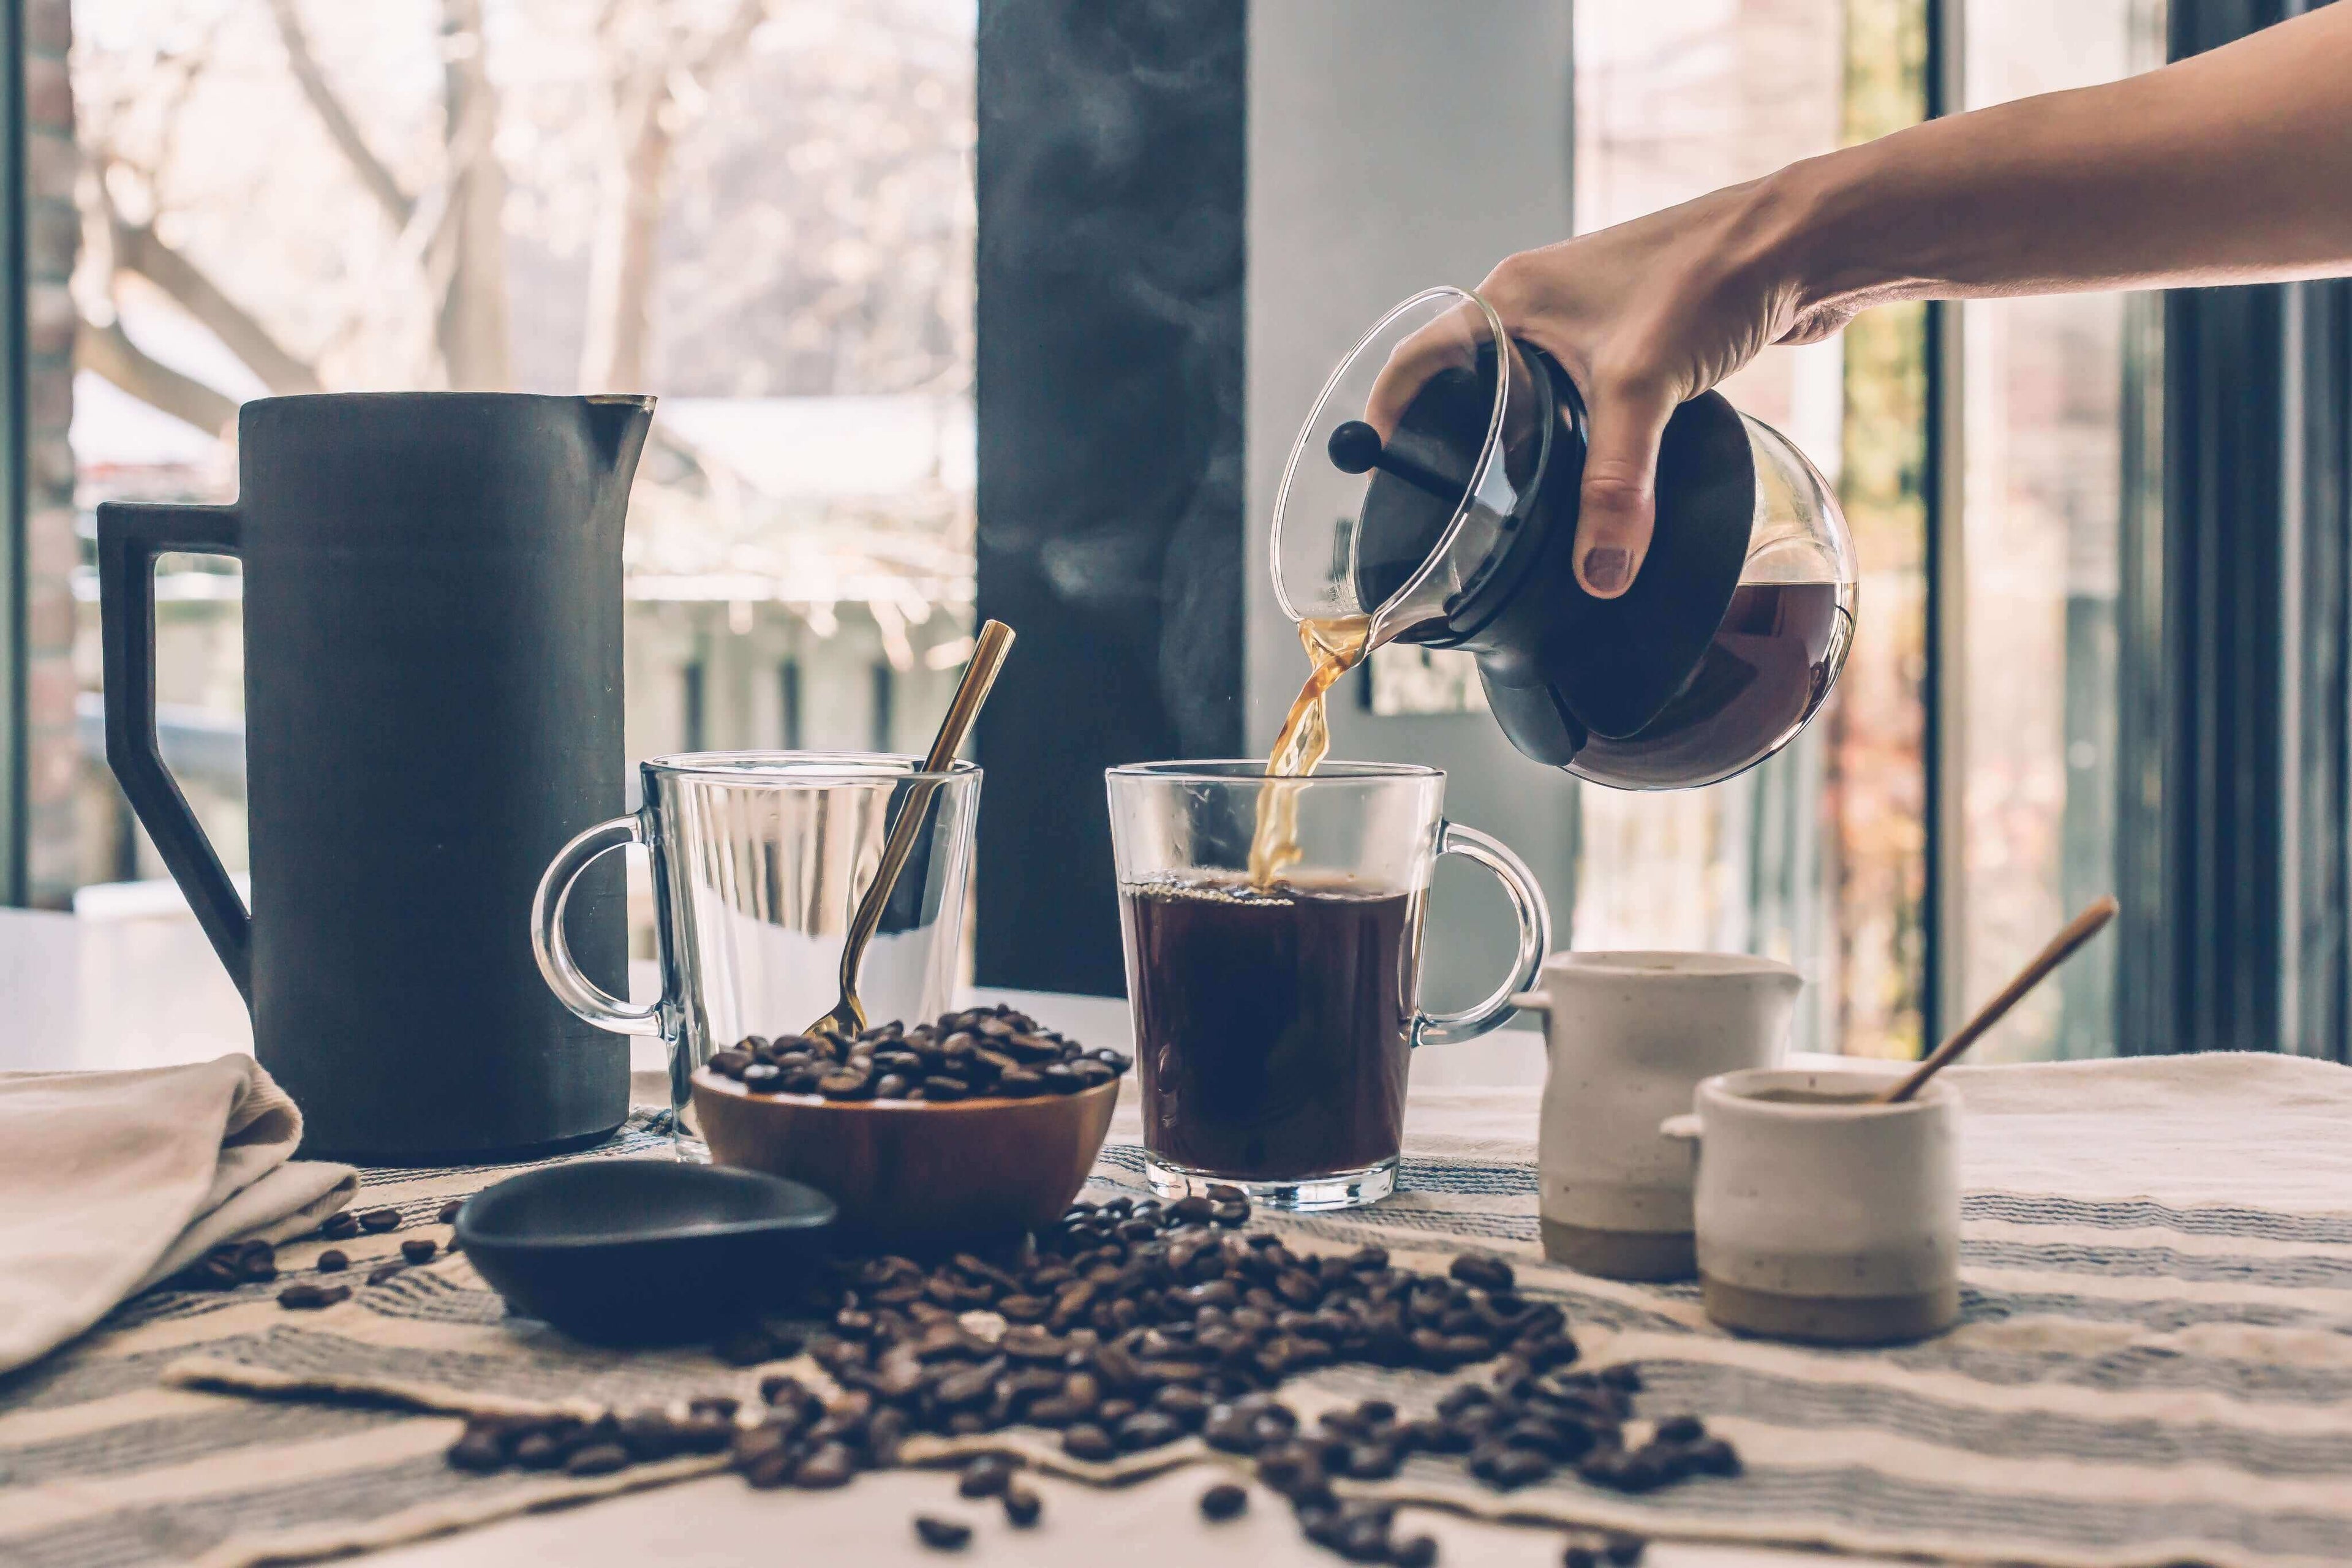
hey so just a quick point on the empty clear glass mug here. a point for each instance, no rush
(1274, 1025)
(760, 860)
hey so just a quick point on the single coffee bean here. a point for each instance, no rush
(892, 1086)
(732, 1063)
(1021, 1506)
(448, 1215)
(418, 1249)
(1149, 1429)
(385, 1271)
(1624, 1548)
(1579, 1554)
(333, 1261)
(833, 1464)
(1713, 1457)
(940, 1086)
(340, 1225)
(985, 1476)
(311, 1297)
(1482, 1269)
(476, 1453)
(1363, 1540)
(1088, 1442)
(942, 1534)
(597, 1459)
(1223, 1501)
(375, 1222)
(540, 1450)
(1680, 1429)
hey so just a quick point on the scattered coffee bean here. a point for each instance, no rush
(340, 1225)
(419, 1250)
(448, 1215)
(1088, 1442)
(333, 1261)
(1128, 1323)
(1624, 1548)
(1021, 1506)
(1223, 1501)
(1579, 1554)
(596, 1459)
(375, 1222)
(942, 1534)
(1482, 1269)
(311, 1297)
(985, 1476)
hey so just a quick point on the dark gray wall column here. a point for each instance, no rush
(1110, 178)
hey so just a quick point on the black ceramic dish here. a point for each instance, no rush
(644, 1251)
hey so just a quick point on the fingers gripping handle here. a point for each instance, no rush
(1535, 938)
(131, 534)
(553, 950)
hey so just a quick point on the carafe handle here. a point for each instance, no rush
(1535, 938)
(130, 535)
(554, 949)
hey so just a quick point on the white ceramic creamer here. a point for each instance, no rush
(1629, 1036)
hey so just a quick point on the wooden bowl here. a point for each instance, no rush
(915, 1171)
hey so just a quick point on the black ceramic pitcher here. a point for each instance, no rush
(432, 707)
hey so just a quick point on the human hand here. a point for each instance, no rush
(1643, 316)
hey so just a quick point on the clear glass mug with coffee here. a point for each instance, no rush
(1272, 929)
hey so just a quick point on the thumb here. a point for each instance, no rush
(1621, 481)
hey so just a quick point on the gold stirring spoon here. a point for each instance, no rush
(995, 640)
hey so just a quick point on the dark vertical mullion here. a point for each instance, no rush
(1940, 480)
(14, 812)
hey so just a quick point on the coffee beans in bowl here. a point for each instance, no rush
(979, 1122)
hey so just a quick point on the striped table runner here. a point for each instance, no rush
(2154, 1367)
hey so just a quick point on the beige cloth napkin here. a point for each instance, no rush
(112, 1181)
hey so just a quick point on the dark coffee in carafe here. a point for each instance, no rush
(1271, 1025)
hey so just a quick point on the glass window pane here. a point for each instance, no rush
(761, 210)
(2047, 389)
(1817, 857)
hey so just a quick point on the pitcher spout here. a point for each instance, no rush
(618, 422)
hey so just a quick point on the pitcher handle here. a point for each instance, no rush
(554, 949)
(1535, 938)
(131, 534)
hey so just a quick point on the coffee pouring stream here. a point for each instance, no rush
(1431, 498)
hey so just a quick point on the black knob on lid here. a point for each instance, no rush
(1355, 446)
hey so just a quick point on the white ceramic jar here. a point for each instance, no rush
(1628, 1036)
(1822, 1217)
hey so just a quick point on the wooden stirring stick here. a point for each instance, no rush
(2081, 929)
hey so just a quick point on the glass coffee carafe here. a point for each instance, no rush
(1431, 498)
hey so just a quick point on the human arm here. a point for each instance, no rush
(2232, 167)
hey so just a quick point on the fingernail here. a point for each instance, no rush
(1606, 569)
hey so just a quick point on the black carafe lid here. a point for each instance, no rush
(1614, 663)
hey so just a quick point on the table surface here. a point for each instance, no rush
(140, 987)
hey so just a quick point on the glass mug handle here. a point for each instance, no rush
(553, 950)
(1535, 938)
